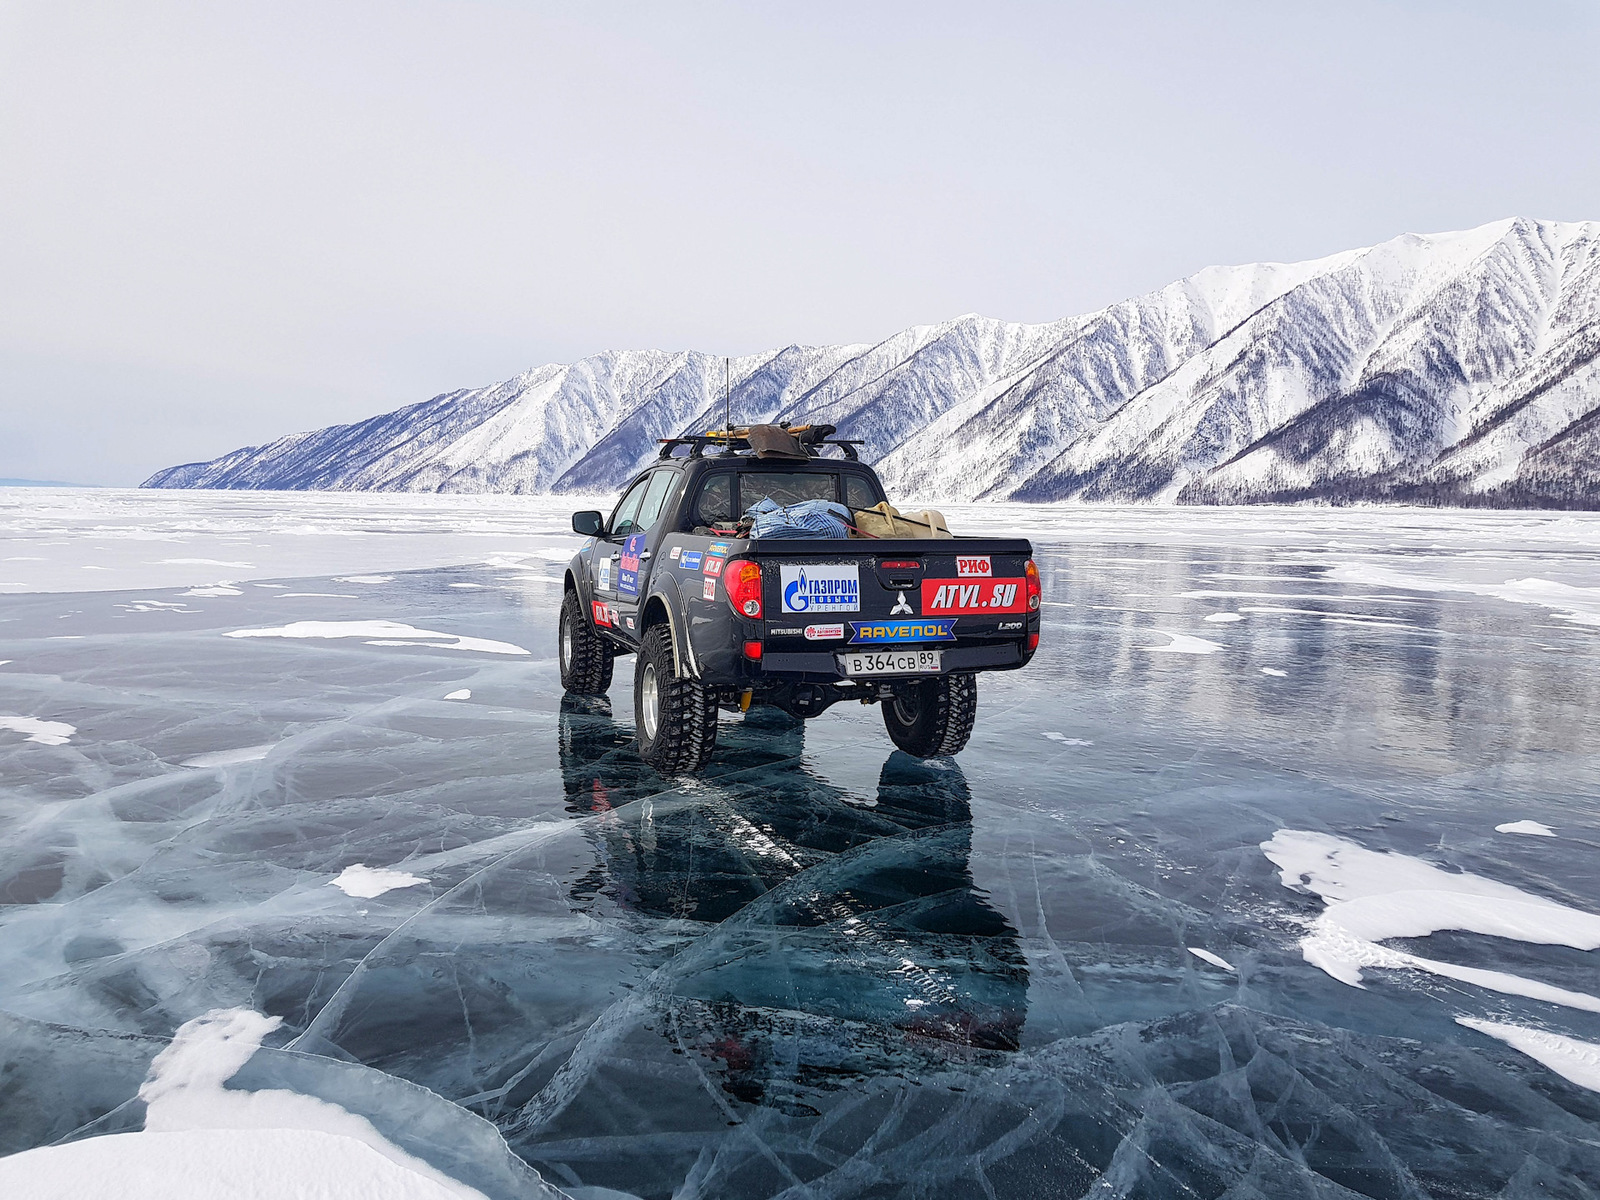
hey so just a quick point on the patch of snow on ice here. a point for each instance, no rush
(1580, 605)
(1068, 741)
(230, 758)
(1274, 672)
(202, 1139)
(1531, 828)
(1183, 643)
(1216, 960)
(1578, 1062)
(363, 578)
(46, 733)
(390, 630)
(202, 1164)
(366, 882)
(1224, 618)
(220, 589)
(206, 562)
(1372, 897)
(463, 694)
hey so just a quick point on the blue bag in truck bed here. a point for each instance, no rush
(807, 519)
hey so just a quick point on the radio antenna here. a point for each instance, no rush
(727, 411)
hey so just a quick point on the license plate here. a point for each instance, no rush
(890, 662)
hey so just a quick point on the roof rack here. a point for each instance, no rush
(733, 441)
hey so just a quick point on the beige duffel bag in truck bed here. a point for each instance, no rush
(884, 520)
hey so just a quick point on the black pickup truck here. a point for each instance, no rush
(723, 622)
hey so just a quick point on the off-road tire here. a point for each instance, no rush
(681, 733)
(932, 717)
(584, 656)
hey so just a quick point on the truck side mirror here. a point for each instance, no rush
(589, 523)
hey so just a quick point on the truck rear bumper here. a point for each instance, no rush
(823, 665)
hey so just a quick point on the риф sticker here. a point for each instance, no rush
(821, 587)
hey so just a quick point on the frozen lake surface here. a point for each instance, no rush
(1273, 875)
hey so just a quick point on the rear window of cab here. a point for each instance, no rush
(716, 503)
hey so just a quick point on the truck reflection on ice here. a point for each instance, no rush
(849, 939)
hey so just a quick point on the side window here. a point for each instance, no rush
(623, 520)
(714, 506)
(858, 493)
(655, 499)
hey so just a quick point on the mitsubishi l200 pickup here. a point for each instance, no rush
(720, 621)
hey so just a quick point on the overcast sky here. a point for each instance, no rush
(221, 222)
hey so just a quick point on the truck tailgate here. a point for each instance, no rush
(966, 597)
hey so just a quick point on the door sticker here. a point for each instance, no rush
(988, 596)
(690, 560)
(821, 587)
(676, 550)
(602, 575)
(628, 568)
(602, 614)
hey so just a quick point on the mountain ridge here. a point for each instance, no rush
(1457, 368)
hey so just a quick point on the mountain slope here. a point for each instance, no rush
(1448, 368)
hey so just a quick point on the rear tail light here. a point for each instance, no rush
(1033, 642)
(742, 582)
(1030, 574)
(752, 651)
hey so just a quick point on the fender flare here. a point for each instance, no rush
(667, 599)
(577, 581)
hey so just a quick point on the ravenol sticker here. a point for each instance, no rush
(974, 565)
(628, 568)
(676, 550)
(690, 560)
(872, 632)
(989, 596)
(824, 633)
(709, 590)
(713, 565)
(821, 587)
(602, 577)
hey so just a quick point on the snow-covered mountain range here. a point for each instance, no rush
(1458, 368)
